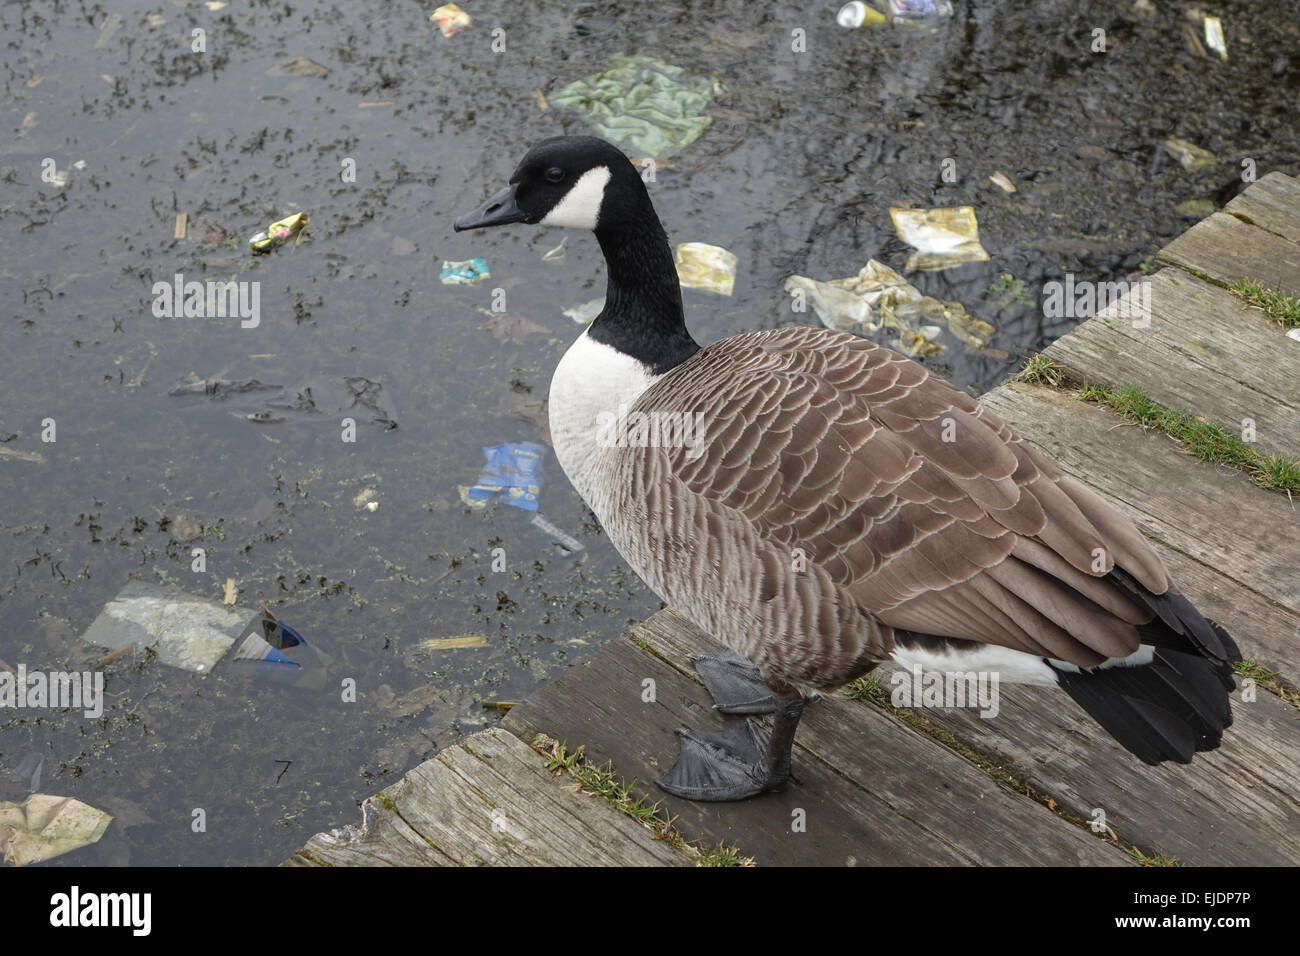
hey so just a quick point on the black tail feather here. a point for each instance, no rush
(1178, 703)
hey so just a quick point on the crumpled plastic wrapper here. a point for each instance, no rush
(44, 826)
(849, 304)
(450, 18)
(942, 237)
(643, 105)
(705, 267)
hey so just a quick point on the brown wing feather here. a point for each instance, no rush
(914, 504)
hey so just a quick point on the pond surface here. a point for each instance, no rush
(366, 547)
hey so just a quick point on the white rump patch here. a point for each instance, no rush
(580, 207)
(1013, 667)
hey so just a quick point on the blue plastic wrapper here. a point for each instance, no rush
(463, 273)
(512, 471)
(281, 655)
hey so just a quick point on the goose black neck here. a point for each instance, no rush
(643, 314)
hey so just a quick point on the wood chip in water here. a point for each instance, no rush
(232, 591)
(116, 655)
(182, 221)
(32, 456)
(447, 643)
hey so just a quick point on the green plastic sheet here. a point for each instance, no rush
(644, 106)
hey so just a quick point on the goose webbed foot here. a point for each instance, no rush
(735, 684)
(736, 763)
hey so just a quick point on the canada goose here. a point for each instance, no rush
(841, 508)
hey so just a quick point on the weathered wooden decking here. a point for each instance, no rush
(880, 787)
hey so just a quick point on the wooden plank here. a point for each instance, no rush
(488, 800)
(1226, 249)
(1272, 203)
(1235, 806)
(872, 789)
(1214, 515)
(1205, 352)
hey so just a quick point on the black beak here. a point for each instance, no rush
(497, 211)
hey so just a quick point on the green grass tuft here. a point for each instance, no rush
(1278, 306)
(604, 783)
(1207, 440)
(1043, 371)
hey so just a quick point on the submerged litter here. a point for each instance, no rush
(450, 18)
(942, 237)
(1214, 37)
(644, 105)
(186, 631)
(705, 267)
(908, 12)
(848, 304)
(298, 66)
(44, 826)
(513, 472)
(282, 655)
(567, 542)
(30, 767)
(278, 233)
(586, 312)
(1190, 156)
(464, 273)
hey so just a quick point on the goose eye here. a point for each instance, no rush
(554, 175)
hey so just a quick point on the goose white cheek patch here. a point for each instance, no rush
(580, 207)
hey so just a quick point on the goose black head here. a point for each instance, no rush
(574, 181)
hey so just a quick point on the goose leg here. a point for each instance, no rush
(737, 763)
(735, 684)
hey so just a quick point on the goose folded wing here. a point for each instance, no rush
(920, 504)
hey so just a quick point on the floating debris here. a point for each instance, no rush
(556, 254)
(231, 593)
(182, 224)
(857, 14)
(586, 313)
(540, 99)
(45, 826)
(1001, 181)
(464, 273)
(942, 237)
(1188, 154)
(848, 304)
(645, 106)
(450, 18)
(186, 631)
(513, 472)
(451, 643)
(279, 232)
(705, 267)
(366, 499)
